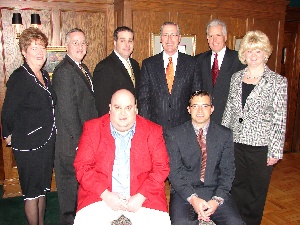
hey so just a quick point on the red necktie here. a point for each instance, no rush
(202, 143)
(170, 74)
(215, 69)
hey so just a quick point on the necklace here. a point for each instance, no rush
(253, 77)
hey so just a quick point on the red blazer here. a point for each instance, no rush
(149, 162)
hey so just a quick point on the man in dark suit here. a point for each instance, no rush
(201, 177)
(227, 64)
(160, 99)
(117, 71)
(75, 105)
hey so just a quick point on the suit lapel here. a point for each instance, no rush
(160, 74)
(207, 78)
(80, 73)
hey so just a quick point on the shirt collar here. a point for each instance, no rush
(124, 61)
(205, 129)
(116, 133)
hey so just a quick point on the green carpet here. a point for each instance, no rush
(12, 210)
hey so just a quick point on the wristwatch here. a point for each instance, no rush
(219, 200)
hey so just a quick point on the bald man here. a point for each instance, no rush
(122, 159)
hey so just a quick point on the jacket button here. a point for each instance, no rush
(240, 120)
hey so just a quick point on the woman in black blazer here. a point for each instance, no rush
(28, 123)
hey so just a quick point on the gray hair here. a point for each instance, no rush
(217, 22)
(169, 23)
(73, 31)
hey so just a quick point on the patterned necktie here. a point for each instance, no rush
(170, 74)
(86, 76)
(130, 72)
(215, 69)
(202, 143)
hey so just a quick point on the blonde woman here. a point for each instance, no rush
(256, 113)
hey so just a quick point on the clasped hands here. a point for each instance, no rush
(117, 201)
(203, 208)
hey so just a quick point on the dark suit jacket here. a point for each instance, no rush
(75, 105)
(185, 161)
(219, 92)
(28, 109)
(154, 100)
(149, 162)
(111, 75)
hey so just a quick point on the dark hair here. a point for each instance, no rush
(169, 23)
(73, 31)
(32, 34)
(122, 28)
(201, 93)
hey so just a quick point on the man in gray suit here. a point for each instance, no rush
(75, 105)
(161, 101)
(202, 168)
(228, 63)
(117, 71)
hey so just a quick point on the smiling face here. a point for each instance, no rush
(76, 46)
(255, 58)
(35, 54)
(216, 39)
(124, 44)
(200, 109)
(122, 110)
(170, 39)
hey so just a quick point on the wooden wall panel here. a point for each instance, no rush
(94, 25)
(271, 29)
(144, 23)
(195, 24)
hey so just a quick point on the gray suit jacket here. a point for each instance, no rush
(75, 105)
(219, 92)
(185, 161)
(154, 100)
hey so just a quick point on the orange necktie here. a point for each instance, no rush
(202, 143)
(170, 74)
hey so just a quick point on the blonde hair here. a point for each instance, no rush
(255, 40)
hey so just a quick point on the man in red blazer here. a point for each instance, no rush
(122, 159)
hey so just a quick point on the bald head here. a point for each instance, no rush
(122, 110)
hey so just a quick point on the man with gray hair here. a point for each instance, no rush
(217, 66)
(167, 81)
(75, 105)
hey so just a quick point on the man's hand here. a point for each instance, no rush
(8, 140)
(201, 207)
(135, 202)
(114, 200)
(213, 207)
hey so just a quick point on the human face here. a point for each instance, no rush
(76, 46)
(35, 55)
(122, 110)
(200, 110)
(124, 44)
(255, 58)
(216, 39)
(170, 39)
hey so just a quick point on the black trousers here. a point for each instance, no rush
(183, 213)
(251, 183)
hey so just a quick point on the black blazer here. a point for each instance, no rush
(185, 161)
(75, 105)
(219, 92)
(154, 100)
(111, 75)
(28, 109)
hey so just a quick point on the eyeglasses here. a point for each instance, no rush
(77, 43)
(169, 35)
(203, 106)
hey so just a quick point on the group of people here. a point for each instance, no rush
(213, 124)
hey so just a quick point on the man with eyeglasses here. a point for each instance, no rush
(117, 71)
(202, 168)
(167, 81)
(75, 105)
